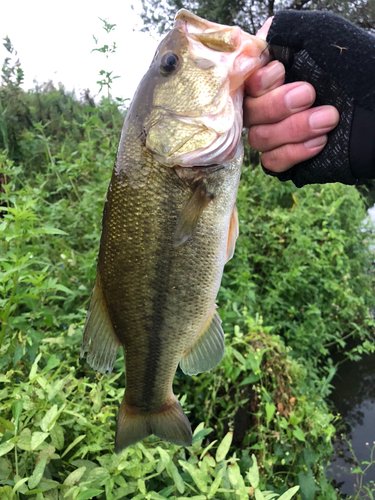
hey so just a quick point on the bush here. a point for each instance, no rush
(303, 263)
(58, 434)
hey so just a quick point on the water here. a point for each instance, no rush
(354, 398)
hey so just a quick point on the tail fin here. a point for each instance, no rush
(169, 423)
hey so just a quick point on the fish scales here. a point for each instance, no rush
(170, 224)
(159, 277)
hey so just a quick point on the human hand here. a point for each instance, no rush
(281, 124)
(329, 64)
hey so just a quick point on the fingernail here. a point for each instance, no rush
(272, 74)
(299, 97)
(324, 118)
(316, 142)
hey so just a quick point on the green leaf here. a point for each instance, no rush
(5, 469)
(57, 436)
(307, 485)
(201, 434)
(16, 411)
(18, 353)
(35, 491)
(198, 476)
(194, 497)
(299, 434)
(239, 356)
(48, 417)
(99, 476)
(270, 412)
(223, 447)
(175, 475)
(142, 486)
(36, 476)
(24, 442)
(37, 438)
(75, 476)
(309, 457)
(51, 230)
(19, 484)
(76, 441)
(63, 288)
(8, 425)
(6, 447)
(52, 363)
(34, 367)
(6, 493)
(216, 484)
(253, 473)
(164, 456)
(236, 480)
(357, 470)
(289, 494)
(90, 493)
(259, 495)
(251, 379)
(198, 428)
(48, 484)
(156, 496)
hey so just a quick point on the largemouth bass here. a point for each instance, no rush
(170, 223)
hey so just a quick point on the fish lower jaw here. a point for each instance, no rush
(222, 151)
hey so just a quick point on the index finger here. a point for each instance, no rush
(278, 104)
(265, 79)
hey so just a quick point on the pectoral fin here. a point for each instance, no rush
(190, 215)
(232, 234)
(207, 349)
(99, 337)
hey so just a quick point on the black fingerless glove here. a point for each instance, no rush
(338, 59)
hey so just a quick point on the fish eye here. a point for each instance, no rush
(169, 62)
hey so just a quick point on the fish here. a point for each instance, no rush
(170, 224)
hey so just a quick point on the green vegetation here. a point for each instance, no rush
(263, 428)
(251, 14)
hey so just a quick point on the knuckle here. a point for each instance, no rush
(269, 109)
(270, 161)
(282, 158)
(259, 137)
(263, 134)
(294, 127)
(293, 153)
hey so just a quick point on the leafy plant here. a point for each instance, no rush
(107, 78)
(58, 432)
(304, 262)
(262, 424)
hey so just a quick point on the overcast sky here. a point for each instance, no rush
(54, 42)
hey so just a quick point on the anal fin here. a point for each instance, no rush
(207, 350)
(99, 337)
(232, 234)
